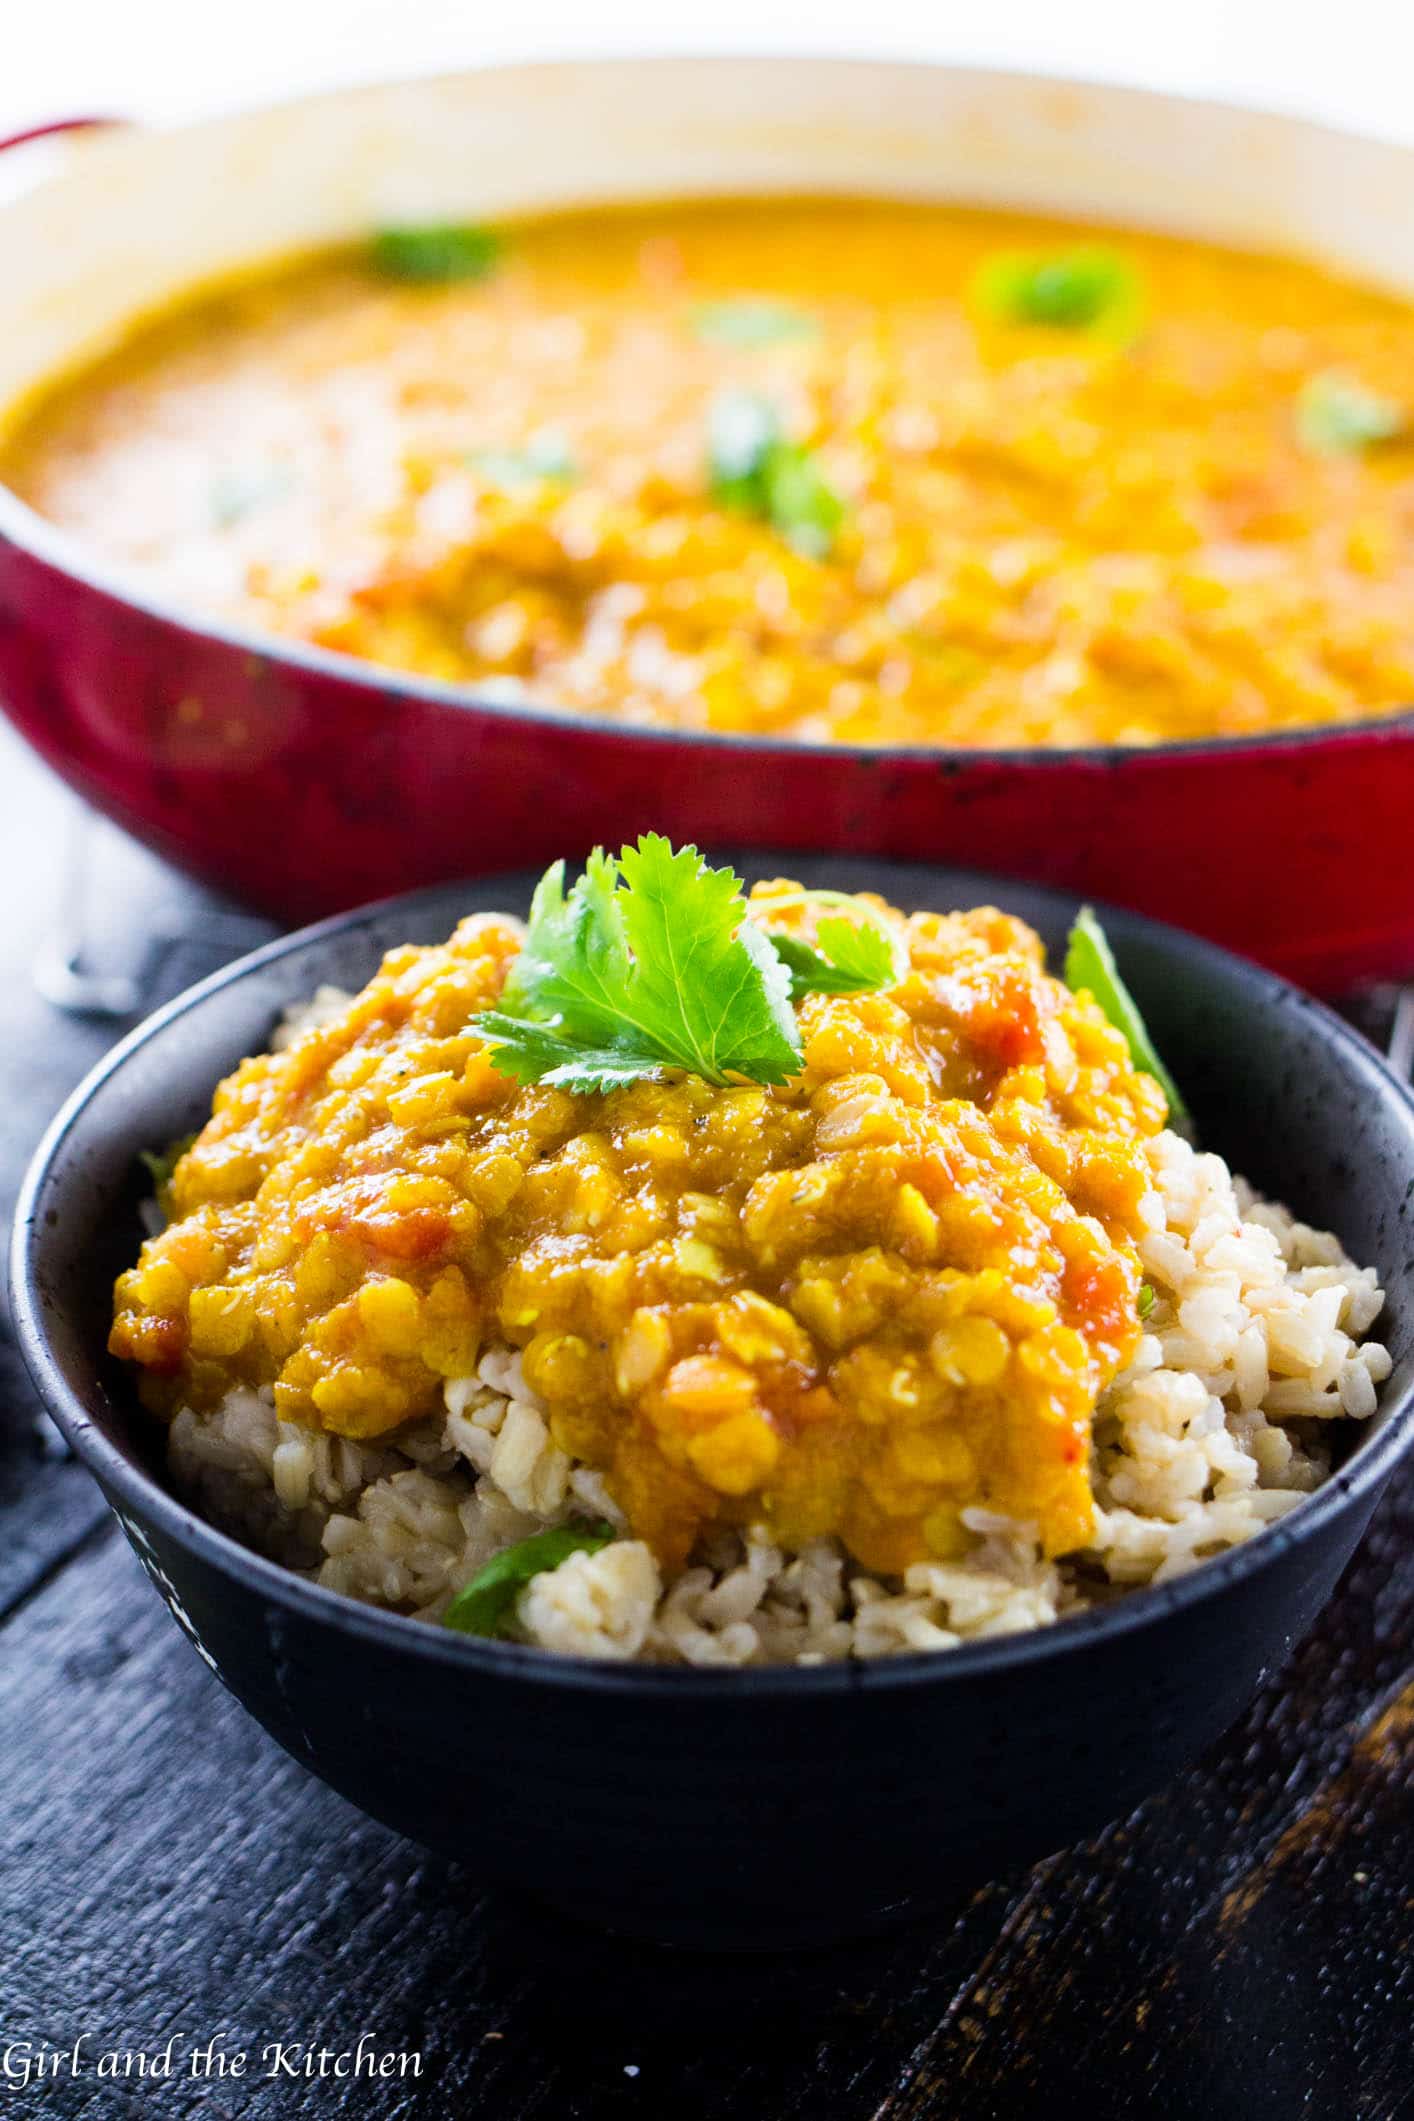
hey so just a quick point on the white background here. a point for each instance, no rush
(1346, 60)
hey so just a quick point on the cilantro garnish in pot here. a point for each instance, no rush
(546, 460)
(757, 472)
(650, 961)
(486, 1605)
(435, 252)
(752, 321)
(235, 495)
(1091, 288)
(1090, 965)
(1338, 417)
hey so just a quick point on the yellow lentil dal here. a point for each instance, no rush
(1047, 536)
(858, 1304)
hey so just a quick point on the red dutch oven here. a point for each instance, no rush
(303, 781)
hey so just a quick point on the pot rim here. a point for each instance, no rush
(31, 533)
(132, 1488)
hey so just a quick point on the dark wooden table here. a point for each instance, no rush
(1239, 1948)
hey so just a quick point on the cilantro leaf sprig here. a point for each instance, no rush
(651, 961)
(646, 963)
(847, 956)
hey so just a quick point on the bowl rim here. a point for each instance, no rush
(128, 1487)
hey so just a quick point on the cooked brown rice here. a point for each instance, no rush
(1256, 1340)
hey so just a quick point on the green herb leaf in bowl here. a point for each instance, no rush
(1090, 967)
(486, 1605)
(847, 957)
(1146, 1298)
(160, 1167)
(757, 472)
(648, 962)
(435, 253)
(752, 321)
(1091, 288)
(1338, 417)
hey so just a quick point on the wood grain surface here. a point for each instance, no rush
(1239, 1947)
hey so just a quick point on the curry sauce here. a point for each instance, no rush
(860, 1303)
(1037, 533)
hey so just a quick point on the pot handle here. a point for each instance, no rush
(54, 125)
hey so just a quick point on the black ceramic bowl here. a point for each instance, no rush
(761, 1807)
